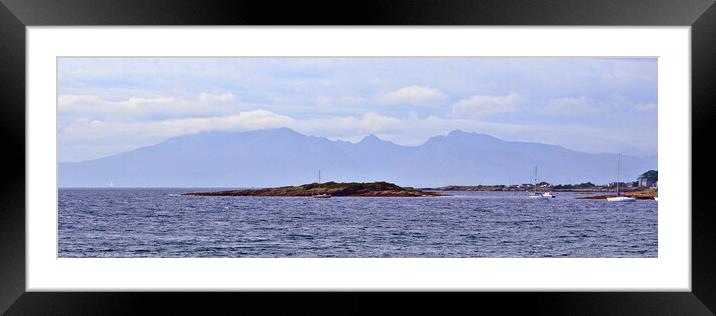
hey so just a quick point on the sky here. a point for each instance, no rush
(113, 105)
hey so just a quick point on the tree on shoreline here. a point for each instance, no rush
(651, 175)
(585, 185)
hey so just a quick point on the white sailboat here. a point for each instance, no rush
(535, 194)
(322, 195)
(619, 198)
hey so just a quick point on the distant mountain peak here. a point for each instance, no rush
(458, 132)
(461, 133)
(282, 156)
(278, 130)
(372, 139)
(282, 130)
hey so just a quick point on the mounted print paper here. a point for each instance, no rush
(371, 157)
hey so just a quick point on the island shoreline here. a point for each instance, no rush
(333, 189)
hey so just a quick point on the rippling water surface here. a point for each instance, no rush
(162, 223)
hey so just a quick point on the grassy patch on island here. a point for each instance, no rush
(376, 189)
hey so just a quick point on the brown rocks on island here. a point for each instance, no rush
(370, 189)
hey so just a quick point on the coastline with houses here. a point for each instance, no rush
(644, 187)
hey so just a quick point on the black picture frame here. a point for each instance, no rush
(16, 15)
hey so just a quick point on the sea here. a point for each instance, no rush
(163, 223)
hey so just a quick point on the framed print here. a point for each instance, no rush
(452, 147)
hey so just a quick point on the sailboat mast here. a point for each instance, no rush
(319, 176)
(535, 180)
(619, 162)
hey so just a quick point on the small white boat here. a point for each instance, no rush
(534, 195)
(321, 195)
(549, 195)
(537, 197)
(656, 198)
(619, 198)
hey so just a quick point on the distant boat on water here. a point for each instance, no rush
(619, 198)
(536, 195)
(322, 195)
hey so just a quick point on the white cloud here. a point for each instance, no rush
(92, 127)
(143, 133)
(414, 95)
(134, 108)
(349, 128)
(210, 98)
(570, 106)
(94, 138)
(478, 106)
(413, 131)
(165, 97)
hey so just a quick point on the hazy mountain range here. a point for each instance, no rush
(284, 157)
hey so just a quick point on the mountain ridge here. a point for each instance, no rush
(271, 157)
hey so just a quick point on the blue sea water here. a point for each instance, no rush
(163, 223)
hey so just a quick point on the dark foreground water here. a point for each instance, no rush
(161, 223)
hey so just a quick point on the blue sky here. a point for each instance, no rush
(111, 105)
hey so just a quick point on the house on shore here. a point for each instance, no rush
(648, 179)
(645, 182)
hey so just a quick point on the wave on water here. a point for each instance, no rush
(131, 223)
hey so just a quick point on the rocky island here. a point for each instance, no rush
(370, 189)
